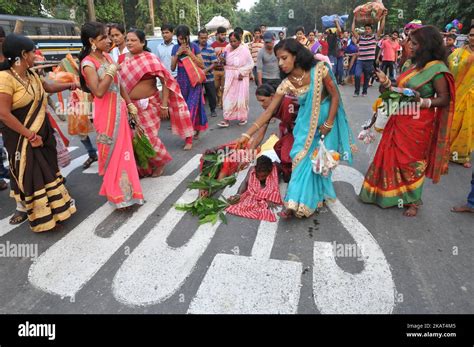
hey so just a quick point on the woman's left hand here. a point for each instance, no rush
(323, 130)
(164, 114)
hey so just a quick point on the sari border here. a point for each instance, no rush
(316, 103)
(38, 122)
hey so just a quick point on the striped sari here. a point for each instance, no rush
(36, 182)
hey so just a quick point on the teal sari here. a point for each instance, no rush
(307, 190)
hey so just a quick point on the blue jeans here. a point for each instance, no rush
(470, 197)
(90, 148)
(367, 68)
(339, 73)
(3, 170)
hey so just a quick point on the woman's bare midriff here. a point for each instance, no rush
(144, 89)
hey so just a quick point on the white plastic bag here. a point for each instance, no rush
(323, 161)
(64, 157)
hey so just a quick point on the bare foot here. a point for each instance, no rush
(411, 211)
(467, 165)
(463, 208)
(158, 171)
(286, 214)
(188, 147)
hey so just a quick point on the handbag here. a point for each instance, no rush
(196, 75)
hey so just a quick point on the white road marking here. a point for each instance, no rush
(250, 285)
(6, 227)
(246, 285)
(371, 291)
(72, 261)
(155, 271)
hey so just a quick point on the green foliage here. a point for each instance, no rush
(142, 149)
(209, 210)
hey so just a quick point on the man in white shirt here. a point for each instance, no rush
(164, 49)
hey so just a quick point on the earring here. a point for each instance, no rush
(94, 47)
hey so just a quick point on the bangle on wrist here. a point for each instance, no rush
(32, 138)
(327, 125)
(256, 124)
(164, 107)
(246, 135)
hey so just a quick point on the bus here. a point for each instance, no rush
(53, 37)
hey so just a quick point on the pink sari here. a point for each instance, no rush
(121, 185)
(236, 92)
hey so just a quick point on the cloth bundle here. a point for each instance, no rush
(369, 13)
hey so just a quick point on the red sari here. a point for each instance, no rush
(412, 146)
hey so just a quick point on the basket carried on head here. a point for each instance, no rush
(369, 13)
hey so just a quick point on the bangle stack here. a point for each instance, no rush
(111, 70)
(164, 107)
(132, 109)
(387, 83)
(256, 124)
(246, 135)
(328, 126)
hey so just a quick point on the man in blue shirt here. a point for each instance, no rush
(164, 49)
(210, 59)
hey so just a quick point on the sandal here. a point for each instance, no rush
(223, 124)
(87, 164)
(243, 122)
(18, 218)
(3, 185)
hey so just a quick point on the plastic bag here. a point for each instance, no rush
(328, 21)
(367, 136)
(324, 160)
(64, 157)
(382, 117)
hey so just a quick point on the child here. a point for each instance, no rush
(450, 41)
(258, 193)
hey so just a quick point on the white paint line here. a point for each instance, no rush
(250, 285)
(338, 292)
(262, 247)
(75, 163)
(93, 169)
(350, 175)
(6, 227)
(72, 261)
(155, 271)
(246, 285)
(266, 233)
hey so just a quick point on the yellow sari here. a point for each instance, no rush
(461, 64)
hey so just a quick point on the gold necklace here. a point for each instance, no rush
(299, 80)
(21, 80)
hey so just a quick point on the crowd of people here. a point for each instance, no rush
(298, 82)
